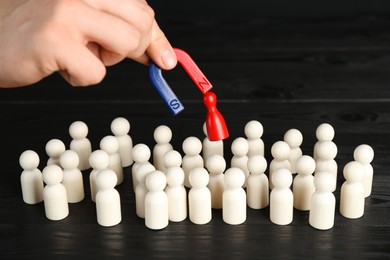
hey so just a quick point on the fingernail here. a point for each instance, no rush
(169, 59)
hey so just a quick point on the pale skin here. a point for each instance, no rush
(77, 38)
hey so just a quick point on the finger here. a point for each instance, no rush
(160, 50)
(79, 66)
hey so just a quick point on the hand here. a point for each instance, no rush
(77, 38)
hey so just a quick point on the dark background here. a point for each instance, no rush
(288, 64)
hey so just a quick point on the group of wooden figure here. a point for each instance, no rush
(175, 187)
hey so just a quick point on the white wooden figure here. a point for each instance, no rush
(156, 201)
(110, 145)
(254, 131)
(294, 139)
(177, 194)
(281, 197)
(216, 166)
(352, 191)
(108, 201)
(141, 154)
(365, 154)
(322, 202)
(326, 154)
(54, 148)
(120, 127)
(209, 148)
(162, 136)
(303, 184)
(240, 148)
(99, 161)
(31, 178)
(234, 197)
(172, 158)
(199, 197)
(258, 184)
(78, 130)
(192, 147)
(141, 190)
(324, 132)
(280, 152)
(72, 176)
(54, 193)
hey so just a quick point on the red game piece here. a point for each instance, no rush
(215, 123)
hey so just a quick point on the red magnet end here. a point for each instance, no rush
(215, 123)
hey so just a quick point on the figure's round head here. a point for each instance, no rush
(353, 171)
(120, 126)
(52, 174)
(280, 150)
(172, 158)
(198, 177)
(327, 150)
(216, 164)
(325, 132)
(156, 181)
(78, 130)
(253, 129)
(143, 170)
(69, 160)
(192, 146)
(106, 179)
(209, 99)
(162, 134)
(257, 164)
(109, 144)
(281, 178)
(175, 176)
(99, 160)
(140, 153)
(305, 165)
(293, 138)
(234, 177)
(240, 146)
(363, 154)
(29, 160)
(54, 148)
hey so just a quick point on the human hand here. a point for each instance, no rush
(77, 38)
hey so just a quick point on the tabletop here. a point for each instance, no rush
(287, 65)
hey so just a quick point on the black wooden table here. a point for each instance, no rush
(288, 65)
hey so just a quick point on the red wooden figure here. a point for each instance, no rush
(215, 123)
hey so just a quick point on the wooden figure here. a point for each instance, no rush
(72, 176)
(324, 132)
(141, 154)
(108, 202)
(162, 135)
(326, 154)
(31, 178)
(280, 151)
(54, 193)
(141, 190)
(216, 166)
(191, 146)
(54, 148)
(294, 139)
(322, 202)
(234, 197)
(156, 201)
(177, 194)
(281, 198)
(99, 161)
(110, 145)
(365, 154)
(120, 127)
(352, 191)
(78, 130)
(253, 132)
(210, 148)
(258, 184)
(240, 149)
(199, 197)
(303, 184)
